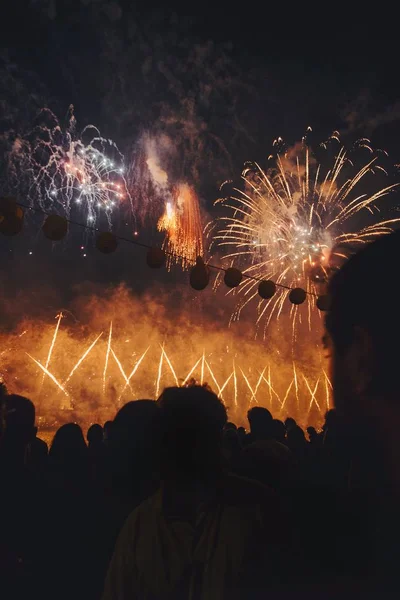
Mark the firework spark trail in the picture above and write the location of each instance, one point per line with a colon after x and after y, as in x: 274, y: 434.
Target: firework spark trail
x: 182, y: 224
x: 287, y: 394
x: 202, y: 368
x: 286, y: 223
x: 213, y: 377
x: 253, y: 397
x: 84, y: 355
x: 107, y: 357
x: 235, y: 384
x: 312, y: 392
x: 269, y: 383
x: 53, y: 341
x: 159, y: 375
x: 132, y: 373
x: 328, y: 388
x: 258, y: 384
x: 191, y: 372
x: 296, y: 384
x: 119, y: 365
x: 225, y: 384
x: 269, y: 386
x: 170, y: 365
x: 49, y: 374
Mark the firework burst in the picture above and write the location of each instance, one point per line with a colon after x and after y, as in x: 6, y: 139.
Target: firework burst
x: 293, y: 222
x: 181, y: 222
x: 66, y: 169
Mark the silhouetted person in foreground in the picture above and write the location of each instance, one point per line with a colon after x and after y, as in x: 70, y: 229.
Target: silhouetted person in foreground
x: 296, y: 442
x: 290, y: 423
x: 38, y: 455
x: 97, y: 453
x: 19, y: 431
x: 107, y: 431
x: 94, y: 435
x: 24, y: 531
x: 261, y: 424
x: 242, y: 435
x: 279, y: 431
x: 313, y: 436
x: 363, y: 328
x: 132, y: 467
x: 203, y: 534
x: 69, y: 458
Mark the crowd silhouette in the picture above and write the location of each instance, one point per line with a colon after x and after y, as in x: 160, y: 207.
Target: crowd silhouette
x: 171, y: 500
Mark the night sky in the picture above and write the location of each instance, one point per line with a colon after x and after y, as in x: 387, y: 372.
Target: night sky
x: 233, y: 77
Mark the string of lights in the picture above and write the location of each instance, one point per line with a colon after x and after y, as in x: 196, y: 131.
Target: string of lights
x: 55, y: 228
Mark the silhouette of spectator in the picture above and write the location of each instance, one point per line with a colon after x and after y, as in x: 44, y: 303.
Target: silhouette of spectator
x: 313, y: 436
x: 19, y: 431
x: 264, y: 458
x: 231, y: 447
x: 261, y: 424
x: 24, y: 533
x: 76, y: 548
x: 69, y: 459
x: 107, y: 431
x: 132, y: 468
x: 230, y: 425
x: 290, y: 423
x: 202, y: 532
x: 296, y: 441
x: 97, y: 453
x: 39, y: 453
x: 363, y: 327
x: 279, y: 431
x: 94, y: 435
x: 242, y: 435
x: 133, y: 452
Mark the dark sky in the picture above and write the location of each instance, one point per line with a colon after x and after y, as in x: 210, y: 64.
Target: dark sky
x: 317, y: 68
x: 222, y: 81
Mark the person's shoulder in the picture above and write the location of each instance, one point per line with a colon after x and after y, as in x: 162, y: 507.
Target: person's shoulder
x: 240, y: 490
x: 143, y: 511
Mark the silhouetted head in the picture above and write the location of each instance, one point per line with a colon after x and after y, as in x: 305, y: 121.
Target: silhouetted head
x: 289, y: 423
x: 296, y: 438
x: 191, y: 420
x: 132, y: 443
x: 231, y: 444
x: 312, y: 433
x: 260, y: 420
x: 107, y: 430
x: 363, y: 328
x: 68, y: 444
x: 132, y: 421
x: 19, y: 425
x: 95, y: 434
x: 278, y: 431
x: 230, y: 425
x: 331, y: 418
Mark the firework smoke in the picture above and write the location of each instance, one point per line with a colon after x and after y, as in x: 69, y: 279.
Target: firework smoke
x: 95, y: 367
x: 173, y: 205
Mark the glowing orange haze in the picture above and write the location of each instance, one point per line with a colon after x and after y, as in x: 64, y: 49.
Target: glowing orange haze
x: 87, y: 371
